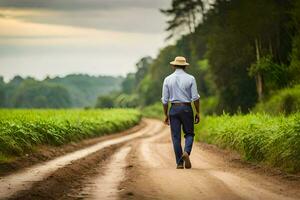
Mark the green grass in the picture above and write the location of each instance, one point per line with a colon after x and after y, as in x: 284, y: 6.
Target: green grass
x: 22, y: 130
x: 259, y: 138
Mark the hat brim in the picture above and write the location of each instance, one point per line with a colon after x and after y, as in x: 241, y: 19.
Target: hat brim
x: 180, y: 64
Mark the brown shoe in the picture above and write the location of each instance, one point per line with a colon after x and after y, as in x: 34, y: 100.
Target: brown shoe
x: 186, y: 159
x: 180, y: 166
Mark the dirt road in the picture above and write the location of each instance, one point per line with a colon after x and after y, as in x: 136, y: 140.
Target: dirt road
x: 142, y: 166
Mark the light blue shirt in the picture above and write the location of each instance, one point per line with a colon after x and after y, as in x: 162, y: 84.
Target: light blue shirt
x: 179, y: 87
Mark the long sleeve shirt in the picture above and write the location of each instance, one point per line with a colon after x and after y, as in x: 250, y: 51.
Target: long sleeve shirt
x: 179, y: 87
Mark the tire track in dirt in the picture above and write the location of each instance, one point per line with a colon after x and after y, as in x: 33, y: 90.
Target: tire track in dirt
x: 106, y: 186
x: 154, y: 176
x: 24, y: 179
x: 143, y: 167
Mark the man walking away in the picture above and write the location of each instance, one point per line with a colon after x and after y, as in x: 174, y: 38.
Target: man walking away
x: 180, y: 89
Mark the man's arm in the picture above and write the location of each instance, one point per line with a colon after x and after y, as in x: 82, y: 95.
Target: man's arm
x: 165, y: 107
x: 196, y: 100
x: 165, y: 100
x: 197, y: 107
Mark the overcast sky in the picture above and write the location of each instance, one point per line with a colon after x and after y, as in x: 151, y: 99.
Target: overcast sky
x: 59, y: 37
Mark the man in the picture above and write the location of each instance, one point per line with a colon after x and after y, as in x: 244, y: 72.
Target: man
x: 180, y: 89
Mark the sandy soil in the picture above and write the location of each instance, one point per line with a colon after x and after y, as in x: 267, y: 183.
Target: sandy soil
x: 143, y: 167
x: 215, y: 174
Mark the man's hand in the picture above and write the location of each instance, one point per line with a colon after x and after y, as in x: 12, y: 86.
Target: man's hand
x: 166, y: 121
x: 197, y: 118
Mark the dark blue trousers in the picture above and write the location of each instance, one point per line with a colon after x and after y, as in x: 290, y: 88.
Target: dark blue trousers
x: 181, y: 116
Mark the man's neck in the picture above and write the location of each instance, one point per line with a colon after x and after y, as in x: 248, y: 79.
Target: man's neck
x: 179, y: 70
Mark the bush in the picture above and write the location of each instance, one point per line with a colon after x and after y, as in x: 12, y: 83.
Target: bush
x: 153, y: 111
x: 286, y: 101
x: 105, y: 102
x: 208, y: 106
x: 274, y: 141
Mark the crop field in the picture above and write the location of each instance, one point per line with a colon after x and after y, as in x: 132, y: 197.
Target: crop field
x: 22, y: 130
x: 274, y: 141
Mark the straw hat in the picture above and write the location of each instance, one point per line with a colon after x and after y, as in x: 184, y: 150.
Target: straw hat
x: 180, y: 60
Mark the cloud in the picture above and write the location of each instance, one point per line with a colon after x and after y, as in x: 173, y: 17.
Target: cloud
x: 82, y: 4
x: 40, y: 37
x: 111, y: 58
x: 141, y: 16
x: 129, y: 20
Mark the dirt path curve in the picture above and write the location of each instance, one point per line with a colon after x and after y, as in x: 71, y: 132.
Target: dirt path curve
x: 24, y: 179
x: 153, y: 175
x: 142, y: 166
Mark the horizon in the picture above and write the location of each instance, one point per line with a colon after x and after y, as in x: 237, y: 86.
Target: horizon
x: 62, y: 76
x: 86, y: 37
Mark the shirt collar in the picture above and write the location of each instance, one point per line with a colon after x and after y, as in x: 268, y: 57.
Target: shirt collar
x: 179, y: 71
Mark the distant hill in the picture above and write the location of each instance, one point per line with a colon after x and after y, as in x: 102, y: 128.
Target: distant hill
x: 75, y: 90
x: 85, y: 89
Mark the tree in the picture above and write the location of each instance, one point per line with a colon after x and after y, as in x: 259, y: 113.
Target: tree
x: 267, y: 32
x: 127, y: 101
x: 143, y: 66
x: 128, y: 85
x: 35, y: 94
x: 271, y: 74
x: 84, y: 89
x: 294, y: 70
x: 183, y: 13
x: 243, y: 34
x: 2, y: 92
x: 105, y: 102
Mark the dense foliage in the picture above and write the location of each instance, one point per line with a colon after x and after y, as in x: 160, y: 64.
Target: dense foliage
x: 284, y: 101
x: 70, y: 91
x: 240, y: 52
x: 260, y: 138
x: 84, y: 89
x: 295, y: 58
x: 134, y: 91
x: 22, y: 130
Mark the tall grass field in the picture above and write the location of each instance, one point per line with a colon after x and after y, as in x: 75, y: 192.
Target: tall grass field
x: 22, y: 130
x: 272, y: 140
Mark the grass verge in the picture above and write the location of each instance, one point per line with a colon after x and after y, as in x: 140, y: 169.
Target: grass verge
x: 22, y: 130
x: 261, y: 138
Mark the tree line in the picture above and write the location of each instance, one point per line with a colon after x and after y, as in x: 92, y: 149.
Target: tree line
x: 240, y: 51
x: 75, y: 90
